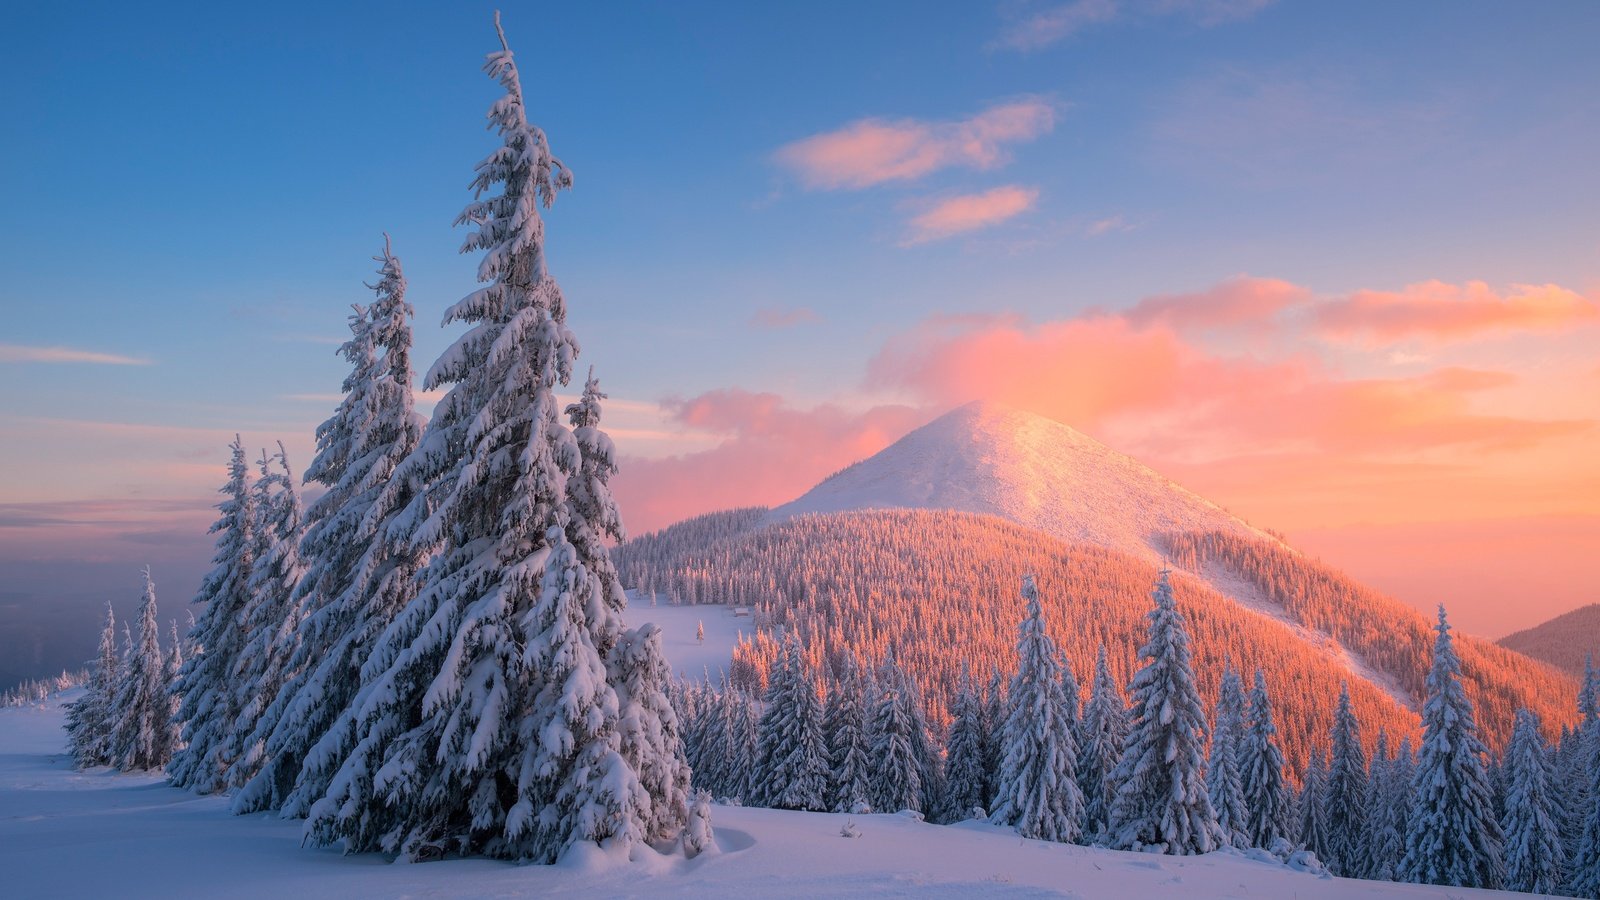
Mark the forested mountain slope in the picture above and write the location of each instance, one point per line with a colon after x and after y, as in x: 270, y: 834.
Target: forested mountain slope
x: 1562, y: 642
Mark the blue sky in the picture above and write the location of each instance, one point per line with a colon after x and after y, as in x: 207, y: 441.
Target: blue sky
x: 200, y: 187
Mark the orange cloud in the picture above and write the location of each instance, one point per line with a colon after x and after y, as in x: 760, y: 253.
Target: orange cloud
x: 969, y: 212
x: 874, y: 151
x: 1436, y: 310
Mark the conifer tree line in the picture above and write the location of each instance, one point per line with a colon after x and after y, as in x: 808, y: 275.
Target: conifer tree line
x: 430, y: 658
x: 1151, y: 771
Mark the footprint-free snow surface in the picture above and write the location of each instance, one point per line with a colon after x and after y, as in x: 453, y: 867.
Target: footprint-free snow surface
x: 99, y: 834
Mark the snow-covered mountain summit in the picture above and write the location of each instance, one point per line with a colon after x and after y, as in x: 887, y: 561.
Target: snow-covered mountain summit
x: 994, y: 460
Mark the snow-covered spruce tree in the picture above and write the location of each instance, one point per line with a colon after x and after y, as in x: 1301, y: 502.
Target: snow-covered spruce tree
x: 493, y: 727
x: 1102, y: 733
x: 1385, y: 821
x: 1533, y: 853
x: 964, y: 776
x: 994, y: 720
x: 270, y: 619
x: 92, y: 717
x: 791, y: 770
x: 848, y: 758
x: 1267, y: 800
x: 648, y: 730
x: 142, y: 736
x: 172, y: 665
x: 1345, y: 803
x: 1453, y: 837
x: 211, y: 702
x: 1161, y: 792
x: 896, y: 767
x: 1038, y: 792
x: 1313, y: 814
x: 1223, y: 784
x: 356, y: 578
x: 1582, y: 819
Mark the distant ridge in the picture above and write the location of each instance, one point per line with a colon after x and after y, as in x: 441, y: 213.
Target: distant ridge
x: 1561, y: 642
x: 994, y: 460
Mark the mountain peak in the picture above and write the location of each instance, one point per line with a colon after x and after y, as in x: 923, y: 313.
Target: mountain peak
x: 992, y: 459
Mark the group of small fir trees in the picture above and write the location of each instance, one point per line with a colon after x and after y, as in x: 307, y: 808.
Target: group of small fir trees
x: 1154, y: 773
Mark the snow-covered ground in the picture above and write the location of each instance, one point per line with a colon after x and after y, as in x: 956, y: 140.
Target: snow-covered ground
x: 690, y: 657
x: 97, y: 834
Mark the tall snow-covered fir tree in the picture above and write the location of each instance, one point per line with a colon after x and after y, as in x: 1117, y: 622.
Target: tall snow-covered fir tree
x: 211, y: 702
x: 1312, y: 805
x: 1038, y: 792
x: 494, y: 725
x: 791, y: 769
x: 1387, y: 794
x: 1102, y: 732
x: 1533, y: 853
x: 173, y: 664
x: 142, y: 736
x: 1161, y: 791
x: 964, y: 775
x: 1453, y: 838
x: 92, y: 717
x: 1223, y: 784
x: 270, y: 618
x: 357, y: 579
x: 1345, y: 803
x: 895, y: 748
x: 846, y: 727
x: 1267, y: 801
x: 1582, y: 807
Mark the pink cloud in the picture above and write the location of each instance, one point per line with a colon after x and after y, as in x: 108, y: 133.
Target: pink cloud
x: 773, y: 317
x: 1238, y: 301
x: 874, y: 151
x: 18, y: 353
x: 1436, y: 310
x: 970, y: 212
x: 769, y: 452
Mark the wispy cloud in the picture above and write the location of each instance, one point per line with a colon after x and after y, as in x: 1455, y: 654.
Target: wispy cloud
x: 874, y: 151
x: 774, y: 317
x: 970, y: 212
x: 1109, y: 225
x: 1436, y: 310
x: 1036, y: 28
x: 19, y: 353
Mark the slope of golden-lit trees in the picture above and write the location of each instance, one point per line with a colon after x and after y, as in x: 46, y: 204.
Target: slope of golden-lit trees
x: 939, y: 589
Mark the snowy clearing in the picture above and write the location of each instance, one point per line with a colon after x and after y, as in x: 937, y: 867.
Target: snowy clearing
x: 689, y: 657
x: 80, y: 834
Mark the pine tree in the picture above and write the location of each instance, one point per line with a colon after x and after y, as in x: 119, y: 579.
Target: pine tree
x: 1039, y: 792
x: 1582, y: 819
x: 173, y: 665
x: 142, y: 736
x: 356, y: 579
x: 1386, y: 797
x: 1453, y: 838
x: 964, y: 751
x: 1267, y: 799
x: 1223, y: 783
x: 1533, y: 852
x: 648, y: 728
x: 792, y: 764
x: 92, y: 717
x: 494, y: 727
x: 211, y: 702
x: 1313, y: 811
x: 1345, y: 802
x: 1161, y: 797
x: 848, y: 753
x: 270, y: 618
x: 1104, y: 729
x: 698, y: 836
x: 897, y: 769
x: 994, y: 720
